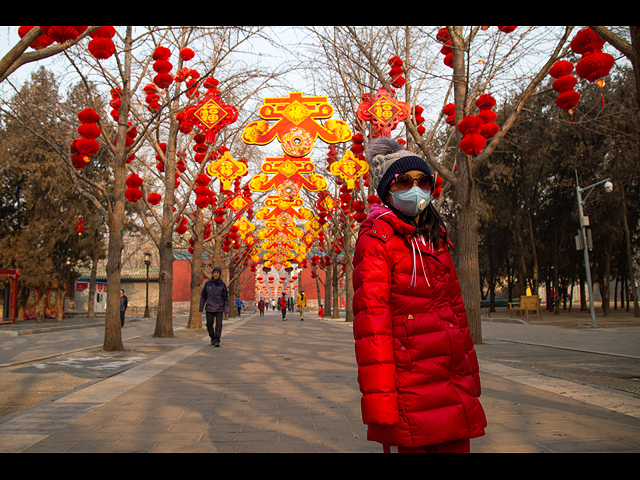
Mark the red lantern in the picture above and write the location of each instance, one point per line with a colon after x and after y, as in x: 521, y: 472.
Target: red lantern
x: 154, y: 199
x: 595, y: 64
x: 41, y: 42
x: 447, y: 51
x: 486, y: 103
x: 450, y: 111
x: 102, y: 47
x: 473, y: 143
x: 133, y: 193
x: 564, y: 84
x: 162, y: 67
x: 187, y: 54
x: 507, y: 29
x: 62, y: 34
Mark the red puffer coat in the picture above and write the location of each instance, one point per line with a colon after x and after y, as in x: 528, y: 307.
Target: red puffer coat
x: 417, y: 366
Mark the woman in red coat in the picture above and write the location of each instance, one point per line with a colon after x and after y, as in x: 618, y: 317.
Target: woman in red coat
x: 417, y: 366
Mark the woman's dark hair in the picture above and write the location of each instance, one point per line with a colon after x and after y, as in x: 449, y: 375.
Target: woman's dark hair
x: 430, y: 224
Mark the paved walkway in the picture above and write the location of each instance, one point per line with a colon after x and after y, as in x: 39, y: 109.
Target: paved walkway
x: 292, y: 387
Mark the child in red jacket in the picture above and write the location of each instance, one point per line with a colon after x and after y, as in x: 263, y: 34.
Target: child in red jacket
x: 417, y: 365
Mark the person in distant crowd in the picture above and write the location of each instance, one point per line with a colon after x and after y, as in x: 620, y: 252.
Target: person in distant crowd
x: 215, y: 297
x: 239, y: 306
x: 273, y: 304
x: 290, y: 305
x: 261, y: 306
x: 124, y: 304
x: 283, y: 306
x: 302, y: 303
x: 418, y: 368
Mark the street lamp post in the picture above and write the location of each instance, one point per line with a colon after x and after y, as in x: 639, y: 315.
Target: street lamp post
x: 147, y: 262
x: 583, y: 240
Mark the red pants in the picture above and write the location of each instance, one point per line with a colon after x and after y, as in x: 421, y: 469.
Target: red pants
x: 461, y: 446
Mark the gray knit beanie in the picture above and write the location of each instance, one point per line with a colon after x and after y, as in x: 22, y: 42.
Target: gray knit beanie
x: 387, y: 159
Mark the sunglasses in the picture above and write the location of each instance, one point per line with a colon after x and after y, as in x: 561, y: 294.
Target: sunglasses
x: 407, y: 182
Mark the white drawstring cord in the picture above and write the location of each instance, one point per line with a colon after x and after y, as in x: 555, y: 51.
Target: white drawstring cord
x: 414, y: 277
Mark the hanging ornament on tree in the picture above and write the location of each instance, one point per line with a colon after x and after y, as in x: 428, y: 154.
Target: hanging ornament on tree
x: 419, y: 119
x: 41, y: 42
x: 102, y: 46
x: 450, y: 112
x: 63, y: 34
x: 486, y: 103
x: 473, y: 143
x: 595, y: 64
x: 397, y: 72
x: 87, y: 146
x: 133, y: 193
x: 447, y: 51
x: 564, y: 84
x: 162, y: 67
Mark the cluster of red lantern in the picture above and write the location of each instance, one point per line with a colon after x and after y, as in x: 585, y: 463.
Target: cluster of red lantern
x: 182, y: 226
x: 447, y: 51
x: 204, y: 196
x: 220, y: 214
x: 102, y: 46
x: 200, y: 147
x: 115, y: 104
x: 473, y: 143
x: 359, y: 208
x: 79, y: 228
x: 86, y: 147
x: 565, y: 84
x: 397, y: 72
x: 133, y: 192
x: 450, y: 112
x: 153, y: 98
x: 63, y: 34
x: 419, y: 119
x: 507, y: 29
x: 486, y: 103
x: 160, y: 165
x: 231, y: 240
x: 162, y: 67
x: 595, y: 64
x: 41, y: 42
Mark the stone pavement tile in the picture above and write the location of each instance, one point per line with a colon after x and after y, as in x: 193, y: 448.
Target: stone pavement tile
x: 526, y: 419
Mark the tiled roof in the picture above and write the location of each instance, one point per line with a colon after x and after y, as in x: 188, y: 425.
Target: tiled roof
x: 127, y: 274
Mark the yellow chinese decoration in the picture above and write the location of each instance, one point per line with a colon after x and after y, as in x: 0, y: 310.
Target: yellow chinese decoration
x: 297, y: 127
x: 227, y: 169
x: 350, y: 169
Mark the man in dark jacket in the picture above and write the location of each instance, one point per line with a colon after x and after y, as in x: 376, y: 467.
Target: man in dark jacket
x: 124, y: 304
x: 215, y: 297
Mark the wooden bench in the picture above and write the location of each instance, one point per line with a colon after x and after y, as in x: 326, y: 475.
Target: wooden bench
x: 525, y: 305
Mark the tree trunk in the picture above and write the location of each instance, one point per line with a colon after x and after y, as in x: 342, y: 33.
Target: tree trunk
x: 164, y: 320
x: 467, y: 263
x: 113, y: 330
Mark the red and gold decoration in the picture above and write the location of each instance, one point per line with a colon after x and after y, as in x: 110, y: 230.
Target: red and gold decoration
x: 297, y: 128
x: 211, y: 114
x: 384, y: 111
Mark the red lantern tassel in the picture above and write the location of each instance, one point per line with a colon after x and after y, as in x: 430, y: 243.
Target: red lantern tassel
x: 602, y: 95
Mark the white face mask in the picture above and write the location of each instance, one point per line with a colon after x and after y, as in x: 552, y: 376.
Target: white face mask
x: 411, y: 202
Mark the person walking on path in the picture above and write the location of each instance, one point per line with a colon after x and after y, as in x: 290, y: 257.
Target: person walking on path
x: 261, y: 306
x: 283, y: 306
x: 418, y: 368
x: 215, y: 297
x: 302, y: 303
x: 239, y: 306
x: 124, y: 304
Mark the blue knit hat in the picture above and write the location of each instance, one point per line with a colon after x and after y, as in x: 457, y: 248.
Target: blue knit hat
x: 387, y: 160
